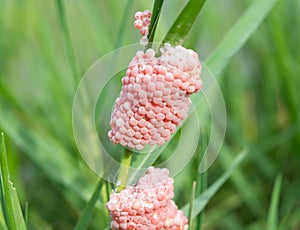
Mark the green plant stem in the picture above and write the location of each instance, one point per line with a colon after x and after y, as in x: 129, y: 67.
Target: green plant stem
x: 124, y: 167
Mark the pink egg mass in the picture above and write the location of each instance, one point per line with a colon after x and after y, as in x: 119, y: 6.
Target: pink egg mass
x: 154, y: 98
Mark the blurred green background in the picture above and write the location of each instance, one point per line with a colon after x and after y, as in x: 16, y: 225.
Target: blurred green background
x: 260, y: 86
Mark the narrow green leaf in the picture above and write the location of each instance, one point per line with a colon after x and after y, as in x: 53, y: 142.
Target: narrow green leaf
x: 202, y: 183
x: 192, y: 198
x: 16, y: 209
x: 68, y: 40
x: 154, y: 19
x: 96, y: 26
x: 8, y: 207
x: 201, y: 178
x: 11, y: 205
x: 26, y: 213
x: 124, y: 24
x: 238, y: 34
x: 87, y: 213
x: 272, y: 221
x: 202, y: 200
x: 3, y: 202
x: 184, y: 22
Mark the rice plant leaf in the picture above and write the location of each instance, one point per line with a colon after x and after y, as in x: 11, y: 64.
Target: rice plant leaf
x: 272, y: 221
x: 238, y: 34
x: 68, y: 40
x: 2, y: 225
x: 184, y: 22
x: 154, y: 19
x: 9, y: 199
x: 124, y: 24
x: 87, y: 213
x: 202, y: 200
x: 99, y: 35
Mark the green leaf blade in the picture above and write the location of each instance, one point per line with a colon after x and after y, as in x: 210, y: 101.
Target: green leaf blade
x: 16, y: 208
x: 87, y: 213
x: 201, y: 201
x: 154, y: 19
x: 238, y: 34
x: 272, y: 221
x: 184, y: 22
x: 68, y: 41
x: 10, y: 203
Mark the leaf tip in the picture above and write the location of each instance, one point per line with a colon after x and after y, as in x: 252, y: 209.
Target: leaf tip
x: 2, y: 142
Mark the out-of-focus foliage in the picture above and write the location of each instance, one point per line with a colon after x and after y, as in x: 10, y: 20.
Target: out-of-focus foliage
x: 260, y: 87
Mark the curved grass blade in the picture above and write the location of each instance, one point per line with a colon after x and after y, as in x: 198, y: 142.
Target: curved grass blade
x: 272, y: 221
x: 87, y: 213
x: 238, y: 34
x: 184, y: 22
x: 201, y: 201
x: 9, y: 199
